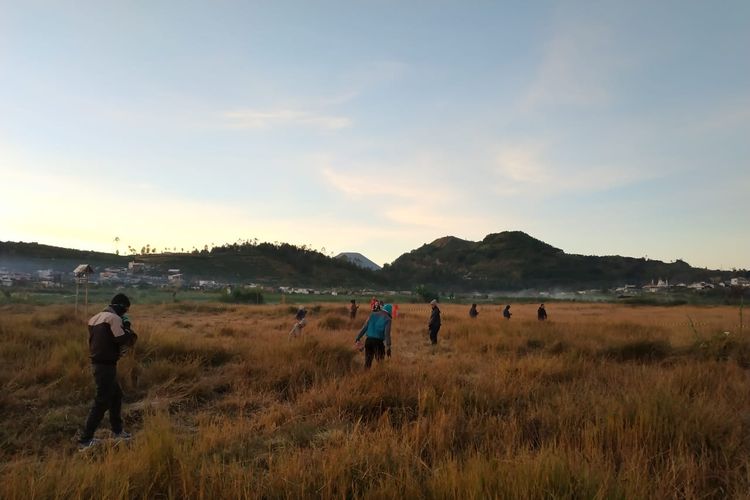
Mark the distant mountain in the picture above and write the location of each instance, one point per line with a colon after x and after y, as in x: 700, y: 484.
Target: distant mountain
x: 513, y: 260
x: 359, y: 260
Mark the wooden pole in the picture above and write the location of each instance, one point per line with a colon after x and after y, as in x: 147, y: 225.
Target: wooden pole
x: 86, y: 293
x: 76, y: 278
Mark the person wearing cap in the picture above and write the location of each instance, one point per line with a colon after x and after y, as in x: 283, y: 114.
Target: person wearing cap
x: 300, y: 322
x: 377, y: 330
x: 109, y: 337
x: 434, y: 324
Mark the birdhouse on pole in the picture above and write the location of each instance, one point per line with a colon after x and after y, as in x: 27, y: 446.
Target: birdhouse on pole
x: 81, y: 274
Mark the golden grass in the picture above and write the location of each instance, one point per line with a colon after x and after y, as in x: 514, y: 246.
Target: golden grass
x: 602, y: 401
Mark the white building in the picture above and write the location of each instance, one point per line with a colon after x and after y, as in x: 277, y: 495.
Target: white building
x: 175, y: 278
x: 45, y: 274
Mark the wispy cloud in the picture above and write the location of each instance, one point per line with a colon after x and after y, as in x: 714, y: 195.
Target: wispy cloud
x: 439, y: 219
x: 521, y: 164
x: 265, y: 119
x: 576, y: 70
x: 527, y: 169
x: 374, y: 184
x: 392, y: 182
x: 414, y: 203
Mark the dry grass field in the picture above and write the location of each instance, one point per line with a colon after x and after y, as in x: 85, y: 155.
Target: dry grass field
x: 601, y: 401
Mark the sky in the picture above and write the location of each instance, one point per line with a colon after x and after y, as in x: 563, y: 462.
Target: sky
x: 602, y: 128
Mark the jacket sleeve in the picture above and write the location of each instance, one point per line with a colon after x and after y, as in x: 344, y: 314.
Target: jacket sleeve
x: 363, y: 330
x: 133, y: 336
x: 388, y: 334
x: 121, y: 334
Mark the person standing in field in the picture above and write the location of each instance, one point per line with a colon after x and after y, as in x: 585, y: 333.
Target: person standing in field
x: 473, y: 313
x: 299, y: 323
x: 109, y: 338
x: 377, y: 332
x: 373, y: 303
x: 541, y: 313
x: 353, y: 309
x: 434, y: 324
x: 506, y: 312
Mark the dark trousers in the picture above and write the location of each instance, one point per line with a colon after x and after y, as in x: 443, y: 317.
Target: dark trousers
x: 108, y: 397
x: 433, y: 334
x: 374, y: 348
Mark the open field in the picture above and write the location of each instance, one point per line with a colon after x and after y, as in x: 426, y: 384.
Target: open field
x: 602, y: 401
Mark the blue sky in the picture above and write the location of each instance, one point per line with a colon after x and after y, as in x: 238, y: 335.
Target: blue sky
x: 599, y: 127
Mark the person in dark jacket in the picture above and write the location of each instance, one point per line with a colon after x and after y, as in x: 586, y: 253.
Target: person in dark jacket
x: 109, y: 337
x: 353, y: 309
x: 541, y: 313
x: 506, y: 312
x: 434, y: 325
x: 299, y: 323
x: 377, y: 329
x: 473, y: 313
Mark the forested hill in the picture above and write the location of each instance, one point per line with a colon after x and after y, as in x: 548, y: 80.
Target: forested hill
x: 514, y: 260
x: 268, y: 263
x: 265, y: 263
x: 27, y: 257
x: 509, y: 260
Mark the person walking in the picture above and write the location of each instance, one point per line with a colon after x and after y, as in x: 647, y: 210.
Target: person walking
x: 299, y: 323
x: 109, y: 337
x: 506, y: 312
x: 434, y: 324
x: 473, y: 313
x: 541, y: 313
x: 377, y: 332
x: 353, y: 309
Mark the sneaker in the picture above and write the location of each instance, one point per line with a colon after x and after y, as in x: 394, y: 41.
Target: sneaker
x: 123, y: 435
x: 89, y: 443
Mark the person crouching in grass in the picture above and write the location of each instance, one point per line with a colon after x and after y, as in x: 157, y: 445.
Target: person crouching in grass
x: 377, y: 330
x: 299, y: 323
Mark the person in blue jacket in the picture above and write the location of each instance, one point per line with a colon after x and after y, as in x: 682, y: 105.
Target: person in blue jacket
x: 377, y: 330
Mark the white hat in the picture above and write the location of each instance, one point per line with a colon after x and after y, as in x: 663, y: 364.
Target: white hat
x: 433, y: 302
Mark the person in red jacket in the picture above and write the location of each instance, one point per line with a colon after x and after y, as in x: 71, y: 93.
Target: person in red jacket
x: 109, y: 337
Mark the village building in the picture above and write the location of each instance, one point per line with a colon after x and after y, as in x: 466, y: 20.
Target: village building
x: 136, y: 267
x: 659, y: 286
x: 175, y: 278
